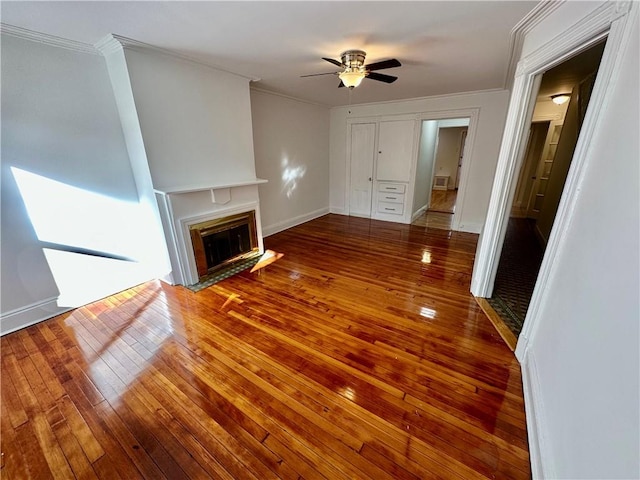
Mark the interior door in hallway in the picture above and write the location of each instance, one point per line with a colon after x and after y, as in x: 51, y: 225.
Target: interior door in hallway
x: 362, y: 157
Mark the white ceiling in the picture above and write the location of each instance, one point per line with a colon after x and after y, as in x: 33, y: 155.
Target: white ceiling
x: 444, y: 47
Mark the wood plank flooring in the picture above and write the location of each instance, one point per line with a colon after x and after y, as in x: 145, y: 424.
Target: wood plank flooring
x: 359, y: 354
x: 443, y: 201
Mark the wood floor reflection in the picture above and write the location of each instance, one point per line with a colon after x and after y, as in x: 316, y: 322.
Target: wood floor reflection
x: 359, y: 354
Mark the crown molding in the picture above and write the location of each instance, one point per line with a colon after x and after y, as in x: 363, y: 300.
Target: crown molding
x: 47, y: 39
x: 113, y: 43
x: 541, y: 11
x: 288, y: 97
x: 427, y: 97
x: 108, y: 45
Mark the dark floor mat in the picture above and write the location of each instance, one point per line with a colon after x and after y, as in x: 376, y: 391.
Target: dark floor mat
x: 517, y: 272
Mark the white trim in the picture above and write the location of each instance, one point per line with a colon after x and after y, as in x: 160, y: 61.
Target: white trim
x: 109, y: 44
x: 511, y: 154
x: 292, y: 222
x: 31, y: 314
x: 200, y: 188
x: 469, y: 228
x: 583, y: 34
x: 47, y: 39
x: 417, y: 99
x: 538, y: 444
x: 418, y: 213
x: 541, y: 11
x: 288, y: 97
x: 617, y: 40
x: 338, y: 211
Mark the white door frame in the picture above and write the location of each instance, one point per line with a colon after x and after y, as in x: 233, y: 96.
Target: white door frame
x: 608, y: 21
x: 472, y: 114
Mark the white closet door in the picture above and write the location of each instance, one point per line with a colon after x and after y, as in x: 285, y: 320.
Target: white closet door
x: 395, y: 150
x: 362, y: 156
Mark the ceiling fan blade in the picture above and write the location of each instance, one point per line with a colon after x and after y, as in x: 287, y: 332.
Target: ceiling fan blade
x: 318, y: 74
x: 381, y: 77
x: 391, y: 63
x: 341, y: 84
x: 335, y: 62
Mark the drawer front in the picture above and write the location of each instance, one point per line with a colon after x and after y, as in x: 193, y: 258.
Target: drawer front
x: 391, y: 187
x: 391, y: 197
x: 392, y: 208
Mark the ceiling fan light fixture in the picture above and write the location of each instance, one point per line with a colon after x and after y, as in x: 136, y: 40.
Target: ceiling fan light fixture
x: 351, y: 77
x: 560, y: 98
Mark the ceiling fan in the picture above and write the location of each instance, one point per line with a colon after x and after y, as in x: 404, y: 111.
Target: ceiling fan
x: 354, y: 69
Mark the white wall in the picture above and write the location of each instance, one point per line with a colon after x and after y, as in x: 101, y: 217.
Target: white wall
x: 195, y: 121
x: 583, y: 353
x: 424, y: 168
x: 448, y: 154
x: 60, y: 128
x: 291, y: 140
x: 483, y: 154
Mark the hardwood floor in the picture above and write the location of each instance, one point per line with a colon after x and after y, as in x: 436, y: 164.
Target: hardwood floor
x: 440, y: 221
x: 443, y: 201
x: 359, y: 354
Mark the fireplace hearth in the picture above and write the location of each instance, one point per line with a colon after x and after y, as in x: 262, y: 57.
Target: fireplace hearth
x: 221, y: 242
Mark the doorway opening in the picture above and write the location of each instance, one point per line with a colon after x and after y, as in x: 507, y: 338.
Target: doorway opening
x: 438, y: 172
x: 553, y: 136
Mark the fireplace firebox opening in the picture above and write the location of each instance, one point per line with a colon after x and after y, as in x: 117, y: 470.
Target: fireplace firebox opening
x: 220, y: 242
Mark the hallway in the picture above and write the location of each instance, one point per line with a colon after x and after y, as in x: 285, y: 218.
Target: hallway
x: 517, y: 273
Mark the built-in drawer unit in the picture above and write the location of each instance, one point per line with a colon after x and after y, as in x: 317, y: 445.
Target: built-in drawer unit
x: 392, y: 208
x: 391, y: 187
x: 391, y: 197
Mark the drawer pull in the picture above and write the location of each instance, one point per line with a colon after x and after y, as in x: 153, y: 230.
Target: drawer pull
x: 390, y: 209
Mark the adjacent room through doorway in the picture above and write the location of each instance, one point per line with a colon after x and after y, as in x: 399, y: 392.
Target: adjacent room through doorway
x: 440, y: 158
x: 560, y: 109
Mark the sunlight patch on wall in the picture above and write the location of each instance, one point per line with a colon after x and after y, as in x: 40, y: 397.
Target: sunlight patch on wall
x: 290, y: 176
x: 94, y: 244
x: 82, y: 279
x: 68, y: 215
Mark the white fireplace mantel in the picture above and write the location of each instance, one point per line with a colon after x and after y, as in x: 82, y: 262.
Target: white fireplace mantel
x: 185, y: 205
x: 200, y: 188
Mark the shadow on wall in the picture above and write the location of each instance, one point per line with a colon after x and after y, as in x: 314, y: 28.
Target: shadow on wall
x: 93, y: 243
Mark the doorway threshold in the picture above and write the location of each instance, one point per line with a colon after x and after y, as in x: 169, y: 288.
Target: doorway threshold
x: 503, y: 330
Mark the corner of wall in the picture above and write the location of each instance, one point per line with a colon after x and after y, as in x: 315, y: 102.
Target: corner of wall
x: 274, y: 228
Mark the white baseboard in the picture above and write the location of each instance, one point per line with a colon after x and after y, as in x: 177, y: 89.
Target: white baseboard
x: 534, y: 410
x: 292, y: 222
x: 338, y: 211
x: 469, y: 227
x: 30, y: 315
x: 418, y: 213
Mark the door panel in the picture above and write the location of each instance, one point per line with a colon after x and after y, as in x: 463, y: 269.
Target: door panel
x: 395, y: 150
x: 362, y: 156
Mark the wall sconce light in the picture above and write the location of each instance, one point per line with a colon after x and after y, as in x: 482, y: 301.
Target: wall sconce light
x: 560, y: 98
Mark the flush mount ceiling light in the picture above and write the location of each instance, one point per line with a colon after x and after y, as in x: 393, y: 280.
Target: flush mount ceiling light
x: 354, y: 69
x: 560, y: 98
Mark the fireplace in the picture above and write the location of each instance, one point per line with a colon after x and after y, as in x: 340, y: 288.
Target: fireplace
x: 221, y: 242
